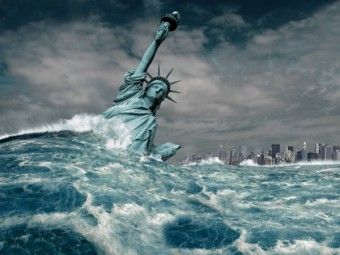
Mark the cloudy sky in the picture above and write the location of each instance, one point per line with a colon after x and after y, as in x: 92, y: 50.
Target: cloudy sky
x: 253, y: 72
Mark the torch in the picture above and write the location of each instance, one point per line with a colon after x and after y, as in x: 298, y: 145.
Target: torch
x: 171, y: 20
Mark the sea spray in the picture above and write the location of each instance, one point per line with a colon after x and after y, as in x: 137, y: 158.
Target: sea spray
x: 65, y: 188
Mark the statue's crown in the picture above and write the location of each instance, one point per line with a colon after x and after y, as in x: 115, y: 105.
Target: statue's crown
x: 165, y: 81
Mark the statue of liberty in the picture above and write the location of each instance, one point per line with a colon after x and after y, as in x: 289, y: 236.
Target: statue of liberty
x: 136, y: 105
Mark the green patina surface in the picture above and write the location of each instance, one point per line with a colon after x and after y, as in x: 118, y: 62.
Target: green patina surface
x: 136, y: 105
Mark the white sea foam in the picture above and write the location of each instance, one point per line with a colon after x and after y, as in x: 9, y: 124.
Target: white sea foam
x: 131, y: 204
x: 301, y: 247
x: 329, y: 170
x: 208, y: 161
x: 102, y: 234
x: 10, y: 221
x: 51, y: 219
x: 248, y: 162
x: 322, y: 201
x: 308, y: 163
x: 160, y: 218
x: 198, y: 252
x: 297, y: 165
x: 316, y: 163
x: 323, y: 216
x: 107, y: 169
x: 217, y: 200
x: 127, y: 209
x: 104, y: 128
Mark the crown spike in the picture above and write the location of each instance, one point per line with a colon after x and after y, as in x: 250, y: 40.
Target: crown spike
x: 174, y: 91
x: 159, y: 70
x: 171, y: 99
x: 149, y: 75
x: 169, y: 73
x: 174, y: 82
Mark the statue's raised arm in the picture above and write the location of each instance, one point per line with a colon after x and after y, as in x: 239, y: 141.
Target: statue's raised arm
x: 168, y: 23
x: 136, y: 105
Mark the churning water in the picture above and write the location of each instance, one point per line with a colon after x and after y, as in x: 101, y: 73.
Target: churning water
x: 71, y: 188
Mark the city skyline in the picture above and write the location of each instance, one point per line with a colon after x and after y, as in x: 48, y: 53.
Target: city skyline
x: 276, y: 154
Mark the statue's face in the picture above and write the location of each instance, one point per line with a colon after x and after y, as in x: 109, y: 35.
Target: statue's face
x: 156, y: 91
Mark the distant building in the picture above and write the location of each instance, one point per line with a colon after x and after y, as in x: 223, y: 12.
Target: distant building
x: 328, y: 152
x: 289, y: 155
x: 261, y: 159
x: 317, y: 148
x: 232, y: 157
x: 268, y: 160
x: 322, y: 151
x: 298, y: 156
x: 304, y: 152
x: 240, y: 157
x: 252, y: 156
x: 275, y: 148
x: 311, y: 156
x: 336, y: 155
x: 336, y: 148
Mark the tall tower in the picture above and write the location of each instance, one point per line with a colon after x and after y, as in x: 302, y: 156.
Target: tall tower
x: 317, y: 148
x: 304, y: 151
x: 275, y: 149
x: 289, y: 154
x: 328, y: 152
x: 232, y: 156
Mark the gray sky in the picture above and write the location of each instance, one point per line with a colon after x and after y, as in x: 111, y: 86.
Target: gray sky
x: 251, y: 74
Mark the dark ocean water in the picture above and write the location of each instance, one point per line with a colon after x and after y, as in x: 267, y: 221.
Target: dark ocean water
x: 71, y: 188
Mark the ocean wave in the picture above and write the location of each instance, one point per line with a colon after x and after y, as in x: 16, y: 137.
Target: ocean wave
x: 248, y: 162
x: 71, y: 190
x: 301, y: 247
x: 208, y: 161
x: 113, y: 131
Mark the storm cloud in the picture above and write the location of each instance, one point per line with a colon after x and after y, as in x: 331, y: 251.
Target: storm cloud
x: 278, y: 84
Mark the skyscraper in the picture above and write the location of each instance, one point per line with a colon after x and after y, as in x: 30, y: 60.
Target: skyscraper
x: 289, y: 155
x: 336, y: 148
x: 298, y: 156
x: 232, y: 156
x: 261, y: 158
x: 317, y: 148
x: 275, y: 148
x: 322, y: 151
x: 336, y: 155
x: 328, y: 152
x: 304, y: 152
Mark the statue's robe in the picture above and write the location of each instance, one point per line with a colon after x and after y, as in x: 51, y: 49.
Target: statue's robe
x: 130, y: 107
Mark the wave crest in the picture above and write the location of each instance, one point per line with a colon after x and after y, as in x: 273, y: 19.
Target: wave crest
x: 112, y: 131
